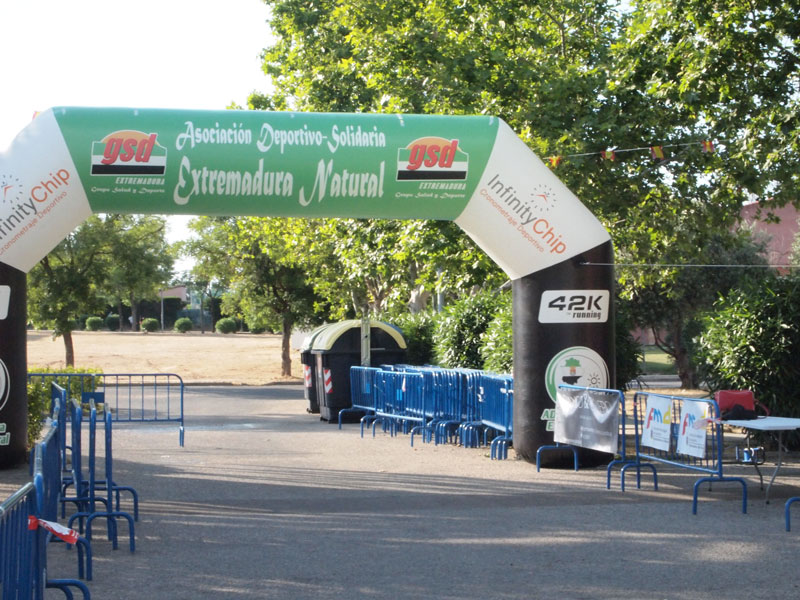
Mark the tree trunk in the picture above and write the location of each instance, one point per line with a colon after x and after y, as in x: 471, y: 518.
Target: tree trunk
x: 202, y: 318
x: 683, y: 363
x: 286, y: 358
x: 69, y: 348
x: 134, y: 313
x: 119, y: 314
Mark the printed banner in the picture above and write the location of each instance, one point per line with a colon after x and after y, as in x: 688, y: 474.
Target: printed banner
x: 657, y: 424
x: 70, y: 162
x: 587, y: 418
x: 692, y: 431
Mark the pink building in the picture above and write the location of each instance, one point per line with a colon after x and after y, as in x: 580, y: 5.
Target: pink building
x: 779, y: 235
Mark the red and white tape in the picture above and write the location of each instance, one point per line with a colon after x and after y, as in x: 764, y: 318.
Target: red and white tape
x: 65, y: 533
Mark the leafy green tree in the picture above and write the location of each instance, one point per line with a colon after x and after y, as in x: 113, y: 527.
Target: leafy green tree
x: 752, y: 340
x: 672, y: 302
x: 255, y: 261
x: 68, y: 282
x: 574, y: 77
x: 140, y: 264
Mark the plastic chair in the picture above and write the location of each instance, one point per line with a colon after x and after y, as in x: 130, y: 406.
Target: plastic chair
x: 727, y: 400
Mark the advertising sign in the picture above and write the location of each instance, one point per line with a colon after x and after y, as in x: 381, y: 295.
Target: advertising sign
x: 470, y: 169
x: 588, y: 419
x: 692, y: 429
x: 657, y: 422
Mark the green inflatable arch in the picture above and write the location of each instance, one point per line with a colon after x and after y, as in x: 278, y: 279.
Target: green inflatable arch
x: 72, y: 162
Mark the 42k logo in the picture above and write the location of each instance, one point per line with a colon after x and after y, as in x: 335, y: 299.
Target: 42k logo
x: 574, y: 306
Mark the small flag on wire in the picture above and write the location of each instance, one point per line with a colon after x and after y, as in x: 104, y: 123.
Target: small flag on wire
x: 555, y: 161
x: 657, y: 152
x: 609, y: 155
x: 708, y: 146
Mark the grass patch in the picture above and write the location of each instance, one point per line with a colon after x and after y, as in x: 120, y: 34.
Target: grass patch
x: 657, y: 362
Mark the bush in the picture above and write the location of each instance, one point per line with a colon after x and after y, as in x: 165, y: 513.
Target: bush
x: 112, y: 322
x: 38, y: 409
x: 183, y: 325
x: 150, y: 325
x: 629, y: 357
x: 39, y: 393
x: 457, y: 338
x: 227, y: 325
x: 418, y: 329
x: 497, y: 342
x: 751, y: 341
x: 94, y: 324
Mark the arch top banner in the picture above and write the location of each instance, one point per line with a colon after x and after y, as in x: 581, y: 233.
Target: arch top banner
x: 72, y: 162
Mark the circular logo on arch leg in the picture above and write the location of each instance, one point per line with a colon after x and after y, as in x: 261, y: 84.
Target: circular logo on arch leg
x: 5, y: 386
x: 577, y: 365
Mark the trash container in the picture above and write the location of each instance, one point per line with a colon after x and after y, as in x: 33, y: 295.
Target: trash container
x: 307, y: 360
x: 337, y: 348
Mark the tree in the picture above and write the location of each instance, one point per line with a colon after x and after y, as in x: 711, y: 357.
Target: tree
x: 575, y: 77
x: 672, y: 302
x: 257, y: 263
x: 67, y: 283
x: 141, y: 262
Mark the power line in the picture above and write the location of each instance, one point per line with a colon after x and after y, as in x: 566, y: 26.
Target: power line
x: 685, y: 266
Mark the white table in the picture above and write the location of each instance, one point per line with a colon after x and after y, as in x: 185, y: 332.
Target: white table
x: 773, y: 424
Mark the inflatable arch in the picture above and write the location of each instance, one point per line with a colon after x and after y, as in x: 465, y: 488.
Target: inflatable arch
x: 72, y: 162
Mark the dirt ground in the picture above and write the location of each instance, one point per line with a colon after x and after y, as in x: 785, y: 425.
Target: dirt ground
x: 240, y: 359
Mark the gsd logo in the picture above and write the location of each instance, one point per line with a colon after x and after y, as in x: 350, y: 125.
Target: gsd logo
x: 431, y: 159
x: 129, y: 153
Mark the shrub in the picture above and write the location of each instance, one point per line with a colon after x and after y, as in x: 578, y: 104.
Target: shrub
x: 227, y: 325
x: 457, y: 338
x: 150, y: 325
x: 94, y: 324
x: 497, y: 342
x: 628, y: 351
x: 39, y: 393
x: 112, y: 322
x: 38, y: 409
x: 751, y: 341
x: 183, y: 325
x: 418, y: 329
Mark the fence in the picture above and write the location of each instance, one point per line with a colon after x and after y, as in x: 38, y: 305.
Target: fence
x: 20, y: 576
x: 681, y: 432
x: 132, y: 397
x: 463, y: 405
x: 27, y: 519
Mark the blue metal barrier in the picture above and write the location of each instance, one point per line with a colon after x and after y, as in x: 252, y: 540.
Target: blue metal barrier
x: 91, y: 485
x: 787, y: 507
x: 710, y: 464
x: 362, y: 394
x: 132, y: 397
x: 20, y: 576
x: 496, y: 400
x: 440, y: 404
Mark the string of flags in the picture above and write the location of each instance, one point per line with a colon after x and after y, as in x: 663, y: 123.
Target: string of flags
x: 656, y: 152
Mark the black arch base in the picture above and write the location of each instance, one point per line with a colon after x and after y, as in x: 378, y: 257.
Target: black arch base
x: 536, y: 344
x: 13, y: 367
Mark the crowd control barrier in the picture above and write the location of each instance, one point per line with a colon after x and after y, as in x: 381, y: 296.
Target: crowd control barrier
x: 88, y: 488
x: 132, y: 397
x: 27, y: 523
x: 20, y: 576
x: 466, y: 406
x: 685, y: 433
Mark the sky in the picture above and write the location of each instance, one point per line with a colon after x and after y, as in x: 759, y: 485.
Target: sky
x: 197, y: 54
